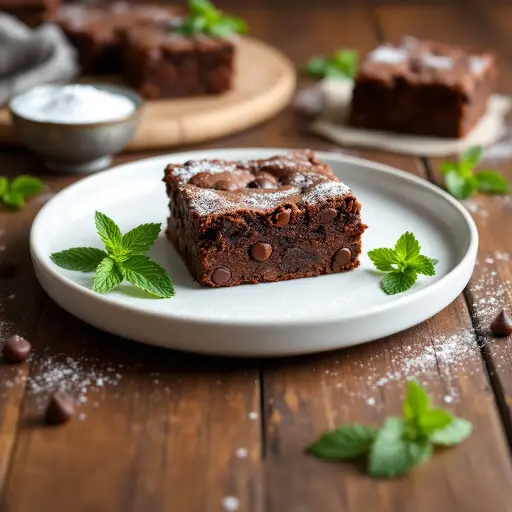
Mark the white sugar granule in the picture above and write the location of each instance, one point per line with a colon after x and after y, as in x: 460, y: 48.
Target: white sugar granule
x: 230, y: 503
x: 253, y: 415
x: 242, y: 453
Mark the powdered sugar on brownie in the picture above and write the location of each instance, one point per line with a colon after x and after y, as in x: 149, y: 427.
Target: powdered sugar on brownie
x: 325, y: 190
x: 190, y: 169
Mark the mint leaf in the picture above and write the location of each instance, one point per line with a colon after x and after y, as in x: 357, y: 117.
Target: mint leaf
x: 316, y: 67
x: 383, y: 259
x: 458, y: 186
x: 109, y: 232
x: 416, y: 401
x: 434, y: 419
x: 343, y: 63
x: 4, y: 186
x: 469, y: 159
x: 107, y: 277
x: 407, y: 247
x: 346, y: 442
x: 13, y: 199
x: 26, y: 185
x: 398, y: 282
x: 140, y: 239
x: 455, y: 432
x: 392, y: 454
x: 423, y: 265
x: 148, y: 276
x: 347, y: 61
x: 83, y: 259
x: 491, y: 182
x: 447, y: 167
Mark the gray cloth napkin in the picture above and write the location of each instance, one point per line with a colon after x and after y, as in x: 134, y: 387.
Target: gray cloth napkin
x: 32, y: 57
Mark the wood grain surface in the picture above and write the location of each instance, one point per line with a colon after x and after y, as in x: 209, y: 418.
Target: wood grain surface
x: 165, y: 431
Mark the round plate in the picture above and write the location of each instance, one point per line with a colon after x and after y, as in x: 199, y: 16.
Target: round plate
x: 290, y: 317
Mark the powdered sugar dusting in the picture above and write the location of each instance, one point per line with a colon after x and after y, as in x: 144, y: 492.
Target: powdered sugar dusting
x: 325, y: 190
x: 189, y: 170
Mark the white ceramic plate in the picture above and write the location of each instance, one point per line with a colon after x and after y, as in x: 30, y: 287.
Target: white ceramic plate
x: 290, y: 317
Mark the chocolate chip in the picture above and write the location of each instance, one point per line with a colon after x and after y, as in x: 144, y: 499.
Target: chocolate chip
x: 282, y: 218
x: 261, y: 252
x: 226, y: 185
x: 60, y: 409
x: 502, y: 324
x: 328, y: 215
x: 262, y: 183
x: 221, y: 275
x: 213, y: 234
x: 7, y: 269
x: 16, y: 349
x: 341, y: 258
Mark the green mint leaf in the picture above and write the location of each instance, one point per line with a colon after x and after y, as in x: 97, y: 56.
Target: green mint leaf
x: 398, y: 282
x: 434, y: 261
x: 469, y: 159
x: 432, y: 420
x: 407, y: 247
x: 342, y: 64
x: 13, y: 199
x: 26, y: 185
x: 200, y: 6
x: 392, y: 454
x: 491, y: 182
x: 107, y: 277
x: 416, y: 402
x: 140, y: 239
x: 109, y: 232
x: 458, y: 186
x: 447, y: 167
x: 347, y: 61
x: 383, y: 259
x: 148, y: 276
x: 316, y: 67
x: 423, y: 265
x: 455, y: 432
x: 4, y: 186
x: 83, y: 259
x: 346, y: 442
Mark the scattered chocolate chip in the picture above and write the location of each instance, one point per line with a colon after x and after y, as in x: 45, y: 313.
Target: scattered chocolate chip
x: 226, y: 185
x: 341, y: 258
x: 60, y: 409
x: 7, y: 269
x: 261, y: 252
x: 282, y: 219
x: 16, y: 349
x: 328, y: 215
x: 221, y: 275
x: 502, y: 324
x: 262, y: 183
x: 213, y: 234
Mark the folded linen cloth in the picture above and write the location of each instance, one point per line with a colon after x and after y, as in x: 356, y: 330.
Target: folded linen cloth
x: 32, y: 57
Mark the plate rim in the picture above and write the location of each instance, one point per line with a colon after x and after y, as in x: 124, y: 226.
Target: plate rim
x: 418, y: 296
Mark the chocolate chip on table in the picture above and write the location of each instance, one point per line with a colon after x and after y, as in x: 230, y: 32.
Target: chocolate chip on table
x: 60, y: 409
x: 260, y: 252
x: 502, y: 324
x: 328, y: 215
x: 262, y: 183
x: 341, y: 258
x: 282, y: 218
x: 221, y: 275
x: 7, y: 269
x: 16, y: 349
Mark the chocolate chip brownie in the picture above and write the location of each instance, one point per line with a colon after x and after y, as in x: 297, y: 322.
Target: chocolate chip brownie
x: 262, y: 220
x: 422, y: 87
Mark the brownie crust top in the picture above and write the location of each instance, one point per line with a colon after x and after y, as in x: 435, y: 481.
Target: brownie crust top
x: 218, y: 186
x: 426, y: 62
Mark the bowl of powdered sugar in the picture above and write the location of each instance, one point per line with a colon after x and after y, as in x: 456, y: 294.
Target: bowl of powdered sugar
x: 76, y: 128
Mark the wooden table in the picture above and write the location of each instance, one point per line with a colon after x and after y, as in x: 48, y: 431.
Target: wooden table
x: 164, y: 431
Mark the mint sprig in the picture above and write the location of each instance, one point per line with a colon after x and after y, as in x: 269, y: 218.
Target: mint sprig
x: 401, y: 443
x: 342, y: 64
x: 403, y: 264
x: 124, y: 258
x: 14, y: 193
x: 205, y: 18
x: 461, y: 181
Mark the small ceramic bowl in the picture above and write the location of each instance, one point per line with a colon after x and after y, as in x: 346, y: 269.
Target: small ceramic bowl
x: 77, y: 147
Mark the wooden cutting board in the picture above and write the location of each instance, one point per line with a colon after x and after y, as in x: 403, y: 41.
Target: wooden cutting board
x: 264, y: 85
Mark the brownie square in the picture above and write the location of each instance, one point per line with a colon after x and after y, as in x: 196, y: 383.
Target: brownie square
x: 31, y: 12
x: 96, y: 30
x: 164, y: 65
x: 422, y: 87
x: 262, y: 220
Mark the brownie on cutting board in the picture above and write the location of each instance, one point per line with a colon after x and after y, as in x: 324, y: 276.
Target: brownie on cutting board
x: 422, y: 87
x: 258, y: 221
